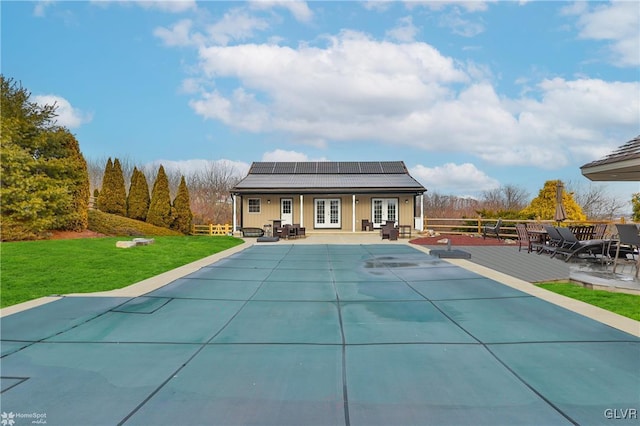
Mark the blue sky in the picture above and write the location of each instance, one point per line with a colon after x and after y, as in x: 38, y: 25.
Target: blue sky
x: 470, y: 95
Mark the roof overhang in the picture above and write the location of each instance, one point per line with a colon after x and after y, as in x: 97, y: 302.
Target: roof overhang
x: 323, y: 191
x: 619, y: 171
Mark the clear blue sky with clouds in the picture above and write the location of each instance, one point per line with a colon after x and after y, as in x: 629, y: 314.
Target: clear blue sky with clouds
x: 470, y: 95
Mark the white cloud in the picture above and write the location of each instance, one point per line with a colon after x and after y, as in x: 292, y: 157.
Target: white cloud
x: 171, y: 6
x: 235, y: 25
x: 177, y: 35
x: 283, y: 155
x: 40, y: 7
x: 67, y: 115
x: 617, y: 22
x: 453, y: 178
x: 405, y: 31
x: 357, y: 89
x: 299, y: 9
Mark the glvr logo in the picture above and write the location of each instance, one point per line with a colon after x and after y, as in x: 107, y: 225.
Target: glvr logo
x: 7, y: 419
x: 621, y: 413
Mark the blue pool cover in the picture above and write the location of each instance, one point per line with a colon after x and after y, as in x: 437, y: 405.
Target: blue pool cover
x: 318, y: 335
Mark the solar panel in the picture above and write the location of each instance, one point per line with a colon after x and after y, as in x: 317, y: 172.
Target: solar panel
x: 262, y: 168
x: 306, y: 167
x: 284, y: 168
x: 370, y: 167
x: 349, y: 167
x: 392, y: 167
x: 327, y: 167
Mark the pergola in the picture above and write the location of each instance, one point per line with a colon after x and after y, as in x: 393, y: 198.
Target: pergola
x: 622, y: 165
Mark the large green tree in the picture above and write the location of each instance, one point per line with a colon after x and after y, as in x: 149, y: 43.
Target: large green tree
x: 160, y: 207
x: 44, y: 180
x: 182, y: 215
x: 138, y: 198
x: 635, y: 203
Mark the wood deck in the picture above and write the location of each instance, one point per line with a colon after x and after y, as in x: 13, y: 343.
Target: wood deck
x: 529, y: 267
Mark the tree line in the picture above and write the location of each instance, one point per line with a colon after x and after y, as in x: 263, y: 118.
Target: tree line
x: 155, y: 208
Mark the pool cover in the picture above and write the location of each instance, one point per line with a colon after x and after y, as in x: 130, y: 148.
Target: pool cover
x: 318, y: 334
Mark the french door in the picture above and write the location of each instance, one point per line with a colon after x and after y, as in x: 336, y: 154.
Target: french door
x: 327, y: 213
x: 383, y: 210
x: 286, y: 211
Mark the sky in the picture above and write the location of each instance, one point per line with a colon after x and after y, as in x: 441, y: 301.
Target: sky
x: 471, y: 95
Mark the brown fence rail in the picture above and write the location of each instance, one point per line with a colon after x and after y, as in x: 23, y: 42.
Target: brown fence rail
x: 456, y: 226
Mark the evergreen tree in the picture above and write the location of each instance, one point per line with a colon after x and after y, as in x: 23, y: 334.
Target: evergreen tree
x: 182, y: 215
x: 119, y: 202
x: 544, y: 205
x: 160, y: 206
x: 113, y: 198
x: 138, y: 199
x: 44, y: 181
x: 104, y: 198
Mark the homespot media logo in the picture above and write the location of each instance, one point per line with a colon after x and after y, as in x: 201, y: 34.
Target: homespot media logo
x: 11, y: 418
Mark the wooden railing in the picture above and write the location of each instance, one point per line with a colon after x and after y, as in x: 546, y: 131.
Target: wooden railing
x: 212, y: 229
x: 508, y: 229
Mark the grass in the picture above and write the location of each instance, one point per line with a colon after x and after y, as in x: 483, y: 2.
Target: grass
x: 627, y: 305
x: 33, y: 269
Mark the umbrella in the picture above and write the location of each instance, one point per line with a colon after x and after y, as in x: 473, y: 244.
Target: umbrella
x: 561, y: 214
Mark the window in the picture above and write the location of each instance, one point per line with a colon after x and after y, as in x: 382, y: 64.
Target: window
x: 327, y: 213
x: 254, y: 205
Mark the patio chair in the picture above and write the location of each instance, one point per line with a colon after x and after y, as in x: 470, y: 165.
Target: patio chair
x: 630, y: 238
x: 300, y: 231
x: 366, y: 225
x: 554, y: 240
x: 571, y: 246
x: 492, y: 229
x: 388, y: 231
x: 599, y: 230
x: 523, y: 237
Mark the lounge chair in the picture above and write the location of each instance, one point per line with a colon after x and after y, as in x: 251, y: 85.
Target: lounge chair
x: 599, y: 231
x: 554, y: 240
x: 492, y: 229
x: 571, y: 246
x: 630, y: 239
x: 523, y: 237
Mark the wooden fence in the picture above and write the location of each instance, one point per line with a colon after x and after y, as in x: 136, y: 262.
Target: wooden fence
x: 212, y: 230
x: 508, y: 228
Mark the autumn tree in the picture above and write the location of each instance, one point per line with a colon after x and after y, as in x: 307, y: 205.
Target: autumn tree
x: 160, y: 206
x: 544, y: 205
x: 182, y: 215
x: 138, y: 199
x: 44, y: 182
x: 635, y: 202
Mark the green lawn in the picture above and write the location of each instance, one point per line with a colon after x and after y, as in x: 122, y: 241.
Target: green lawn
x: 33, y: 269
x: 627, y: 305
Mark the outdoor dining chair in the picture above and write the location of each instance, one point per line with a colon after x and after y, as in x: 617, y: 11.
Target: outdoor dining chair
x: 628, y: 236
x: 492, y: 229
x: 523, y: 237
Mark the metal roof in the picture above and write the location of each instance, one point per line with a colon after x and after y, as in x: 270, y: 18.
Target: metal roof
x: 328, y: 177
x: 623, y: 164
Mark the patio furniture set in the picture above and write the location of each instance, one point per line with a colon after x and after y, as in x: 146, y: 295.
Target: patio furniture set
x: 583, y: 242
